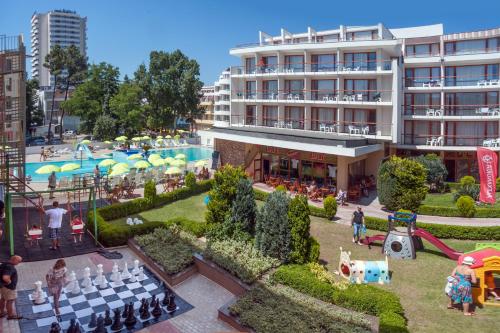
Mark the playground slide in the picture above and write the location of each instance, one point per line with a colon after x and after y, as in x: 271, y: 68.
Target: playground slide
x: 448, y: 251
x: 370, y: 239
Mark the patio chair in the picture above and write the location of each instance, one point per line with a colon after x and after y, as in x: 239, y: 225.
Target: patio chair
x: 482, y: 83
x: 488, y: 143
x: 494, y: 82
x: 365, y: 130
x: 431, y: 141
x: 438, y: 113
x: 377, y: 97
x: 429, y: 112
x: 439, y: 141
x: 129, y: 192
x: 359, y: 97
x: 353, y: 129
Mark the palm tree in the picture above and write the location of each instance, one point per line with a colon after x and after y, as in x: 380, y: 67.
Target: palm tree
x: 54, y: 61
x: 75, y: 65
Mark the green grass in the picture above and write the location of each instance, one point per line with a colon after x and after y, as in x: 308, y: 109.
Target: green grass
x: 419, y: 283
x: 446, y: 200
x: 192, y: 208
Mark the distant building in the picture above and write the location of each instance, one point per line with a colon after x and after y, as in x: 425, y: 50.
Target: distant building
x: 45, y: 104
x: 57, y: 27
x: 222, y: 98
x: 12, y: 109
x: 206, y: 102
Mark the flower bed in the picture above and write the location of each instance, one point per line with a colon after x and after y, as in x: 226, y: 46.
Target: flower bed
x: 364, y: 298
x: 278, y: 308
x: 239, y: 258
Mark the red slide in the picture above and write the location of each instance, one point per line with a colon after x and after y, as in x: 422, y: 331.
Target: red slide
x: 370, y: 239
x: 448, y: 251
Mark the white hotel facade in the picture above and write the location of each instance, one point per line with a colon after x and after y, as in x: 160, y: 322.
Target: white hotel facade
x: 330, y: 105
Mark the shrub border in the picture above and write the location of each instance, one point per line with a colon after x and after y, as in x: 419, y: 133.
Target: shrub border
x: 454, y: 212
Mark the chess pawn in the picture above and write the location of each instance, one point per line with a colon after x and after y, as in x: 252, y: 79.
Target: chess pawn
x: 55, y: 328
x: 100, y: 325
x: 115, y: 272
x: 135, y: 270
x: 73, y: 285
x: 37, y: 295
x: 125, y: 273
x: 157, y: 309
x: 93, y: 320
x: 165, y: 298
x: 145, y: 311
x: 140, y: 277
x: 117, y: 323
x: 100, y: 279
x: 153, y: 301
x: 125, y: 311
x: 107, y: 318
x: 133, y: 278
x: 171, y: 307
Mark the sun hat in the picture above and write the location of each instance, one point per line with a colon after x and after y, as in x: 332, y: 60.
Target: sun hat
x: 468, y: 261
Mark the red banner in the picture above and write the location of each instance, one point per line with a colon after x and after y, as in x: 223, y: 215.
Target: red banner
x: 488, y: 166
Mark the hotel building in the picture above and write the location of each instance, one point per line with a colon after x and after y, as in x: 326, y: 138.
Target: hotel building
x: 206, y: 120
x: 222, y: 99
x: 330, y: 105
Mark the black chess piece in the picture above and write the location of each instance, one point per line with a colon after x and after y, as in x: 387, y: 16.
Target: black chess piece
x: 78, y: 329
x: 171, y: 307
x: 93, y: 320
x: 55, y: 328
x: 125, y: 311
x: 130, y: 321
x: 107, y: 318
x: 165, y: 298
x: 153, y: 301
x: 117, y: 324
x: 72, y: 326
x: 157, y: 309
x: 145, y: 311
x: 100, y: 325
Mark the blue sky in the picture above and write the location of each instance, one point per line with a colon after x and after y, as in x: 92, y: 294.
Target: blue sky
x: 123, y: 32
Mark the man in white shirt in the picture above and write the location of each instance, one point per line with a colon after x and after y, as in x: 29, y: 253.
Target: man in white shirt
x: 55, y: 220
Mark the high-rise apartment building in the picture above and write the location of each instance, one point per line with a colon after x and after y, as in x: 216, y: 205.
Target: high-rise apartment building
x: 222, y: 96
x: 207, y: 103
x: 330, y: 105
x: 57, y: 27
x: 12, y: 111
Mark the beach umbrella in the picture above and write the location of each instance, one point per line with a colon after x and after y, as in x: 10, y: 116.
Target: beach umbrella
x: 178, y: 163
x: 117, y: 172
x: 46, y: 169
x: 146, y: 137
x: 107, y: 162
x: 108, y: 142
x: 169, y: 160
x: 159, y: 137
x: 121, y: 138
x: 173, y: 171
x: 201, y: 163
x: 85, y: 142
x: 153, y: 157
x: 177, y: 137
x: 142, y: 165
x: 136, y: 139
x: 168, y: 137
x: 121, y: 165
x: 135, y: 157
x: 158, y: 162
x: 70, y: 167
x: 180, y: 156
x: 181, y: 131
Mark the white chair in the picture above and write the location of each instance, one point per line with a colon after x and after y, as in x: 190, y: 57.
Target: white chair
x: 426, y: 84
x: 439, y: 141
x: 431, y: 141
x: 429, y: 112
x: 325, y: 98
x: 438, y: 113
x: 365, y: 130
x: 289, y: 97
x: 353, y: 130
x: 488, y: 143
x: 357, y: 68
x: 484, y: 111
x: 494, y: 82
x: 276, y: 124
x: 359, y: 97
x: 322, y: 127
x: 482, y: 83
x: 296, y: 97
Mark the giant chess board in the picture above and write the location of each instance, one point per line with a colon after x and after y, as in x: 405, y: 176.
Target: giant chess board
x: 81, y: 306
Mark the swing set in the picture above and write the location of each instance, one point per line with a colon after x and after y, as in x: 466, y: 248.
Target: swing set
x: 34, y: 232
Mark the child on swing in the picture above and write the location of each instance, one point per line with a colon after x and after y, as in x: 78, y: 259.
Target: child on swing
x: 34, y: 234
x: 77, y: 228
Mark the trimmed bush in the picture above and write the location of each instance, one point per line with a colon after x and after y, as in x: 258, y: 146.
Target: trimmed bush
x: 364, y: 298
x: 454, y: 212
x: 281, y: 188
x: 150, y: 190
x: 330, y: 207
x: 190, y: 179
x: 196, y: 228
x: 467, y: 187
x: 239, y: 258
x: 298, y: 217
x: 313, y: 247
x: 436, y: 171
x: 466, y: 206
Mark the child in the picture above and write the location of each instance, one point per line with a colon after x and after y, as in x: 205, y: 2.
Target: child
x: 77, y: 228
x: 489, y: 280
x: 34, y: 234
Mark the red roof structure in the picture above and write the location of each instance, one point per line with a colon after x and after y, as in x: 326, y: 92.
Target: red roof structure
x: 479, y: 256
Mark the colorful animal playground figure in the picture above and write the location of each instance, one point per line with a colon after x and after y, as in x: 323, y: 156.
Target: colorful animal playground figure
x: 402, y: 242
x: 486, y: 264
x: 363, y: 271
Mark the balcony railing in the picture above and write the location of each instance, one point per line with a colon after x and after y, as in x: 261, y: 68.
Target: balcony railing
x: 473, y: 110
x: 480, y: 80
x: 349, y: 66
x: 326, y: 96
x: 437, y: 140
x: 473, y: 51
x: 315, y: 125
x: 422, y: 54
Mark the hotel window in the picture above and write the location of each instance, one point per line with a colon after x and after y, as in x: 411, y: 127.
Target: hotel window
x: 270, y: 89
x: 472, y: 46
x: 417, y: 77
x: 461, y: 133
x: 9, y: 84
x: 418, y: 104
x: 422, y: 50
x: 295, y: 116
x: 360, y: 119
x: 364, y: 90
x: 323, y: 89
x: 362, y: 35
x: 294, y: 63
x: 323, y: 62
x: 322, y: 118
x: 250, y: 65
x: 268, y: 64
x: 470, y: 75
x: 469, y: 103
x: 366, y: 61
x: 328, y: 38
x: 269, y: 115
x: 250, y: 90
x: 250, y: 115
x: 418, y: 132
x: 294, y: 89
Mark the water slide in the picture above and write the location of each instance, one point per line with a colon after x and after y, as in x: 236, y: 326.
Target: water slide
x: 448, y: 251
x: 86, y: 149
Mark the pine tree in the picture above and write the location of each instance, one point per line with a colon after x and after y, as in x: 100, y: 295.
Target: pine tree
x: 244, y: 208
x: 298, y: 217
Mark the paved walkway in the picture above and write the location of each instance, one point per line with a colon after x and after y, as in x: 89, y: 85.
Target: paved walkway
x: 372, y: 207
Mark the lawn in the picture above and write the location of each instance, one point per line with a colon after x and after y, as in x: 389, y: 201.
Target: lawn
x: 192, y: 208
x: 419, y: 283
x: 446, y: 200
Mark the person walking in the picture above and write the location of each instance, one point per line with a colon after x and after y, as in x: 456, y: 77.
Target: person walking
x: 8, y: 284
x: 55, y: 221
x: 97, y: 179
x: 461, y: 288
x: 52, y: 184
x: 357, y: 222
x: 56, y: 279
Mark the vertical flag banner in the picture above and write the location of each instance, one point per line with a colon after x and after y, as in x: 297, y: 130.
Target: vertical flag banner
x: 487, y: 161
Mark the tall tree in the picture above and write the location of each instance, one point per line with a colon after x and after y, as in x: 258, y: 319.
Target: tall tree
x: 75, y: 66
x: 128, y: 109
x: 54, y: 61
x: 34, y: 115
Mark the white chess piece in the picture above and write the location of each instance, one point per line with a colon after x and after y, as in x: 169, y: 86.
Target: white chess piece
x: 100, y: 279
x: 37, y: 295
x: 87, y: 283
x: 136, y: 267
x: 118, y: 282
x: 132, y: 278
x: 115, y: 273
x: 73, y: 285
x: 125, y: 273
x: 141, y: 274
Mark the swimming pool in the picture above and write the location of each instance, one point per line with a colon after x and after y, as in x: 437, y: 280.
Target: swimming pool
x: 192, y: 154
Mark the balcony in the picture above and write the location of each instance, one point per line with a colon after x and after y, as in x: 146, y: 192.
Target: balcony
x: 472, y: 51
x: 462, y: 82
x: 453, y: 112
x: 438, y: 142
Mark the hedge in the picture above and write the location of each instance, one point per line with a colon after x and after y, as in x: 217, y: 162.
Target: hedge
x: 443, y: 230
x: 454, y: 212
x: 363, y: 298
x: 315, y: 211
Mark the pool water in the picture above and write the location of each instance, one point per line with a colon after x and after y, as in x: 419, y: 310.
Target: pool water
x: 192, y: 154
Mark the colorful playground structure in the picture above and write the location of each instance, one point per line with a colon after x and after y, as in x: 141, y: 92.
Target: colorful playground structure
x: 402, y: 242
x: 486, y: 264
x: 363, y: 271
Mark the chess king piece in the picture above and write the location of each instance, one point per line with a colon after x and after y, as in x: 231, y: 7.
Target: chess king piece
x: 73, y: 285
x: 117, y: 323
x: 93, y: 320
x: 55, y: 328
x: 157, y: 309
x: 135, y: 270
x: 107, y: 318
x: 125, y: 273
x: 171, y: 307
x: 100, y: 325
x: 37, y: 295
x: 130, y: 321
